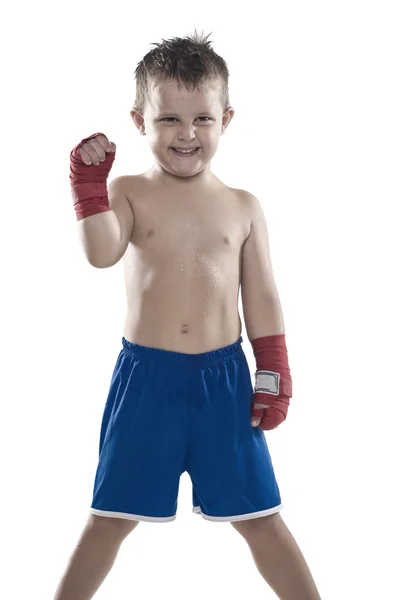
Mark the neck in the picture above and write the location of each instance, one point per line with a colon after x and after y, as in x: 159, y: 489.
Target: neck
x: 157, y: 172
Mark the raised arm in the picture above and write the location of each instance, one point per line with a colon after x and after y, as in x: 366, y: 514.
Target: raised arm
x: 105, y: 236
x: 105, y: 216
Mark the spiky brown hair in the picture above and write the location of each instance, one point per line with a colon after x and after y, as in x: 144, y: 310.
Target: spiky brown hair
x: 189, y: 61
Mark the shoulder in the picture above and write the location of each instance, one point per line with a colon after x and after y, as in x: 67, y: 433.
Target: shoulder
x: 246, y: 197
x: 131, y: 186
x: 127, y: 182
x: 250, y: 203
x: 250, y: 208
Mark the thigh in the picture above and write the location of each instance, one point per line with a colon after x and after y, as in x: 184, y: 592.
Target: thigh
x: 143, y: 443
x: 121, y: 526
x: 251, y: 529
x: 228, y: 460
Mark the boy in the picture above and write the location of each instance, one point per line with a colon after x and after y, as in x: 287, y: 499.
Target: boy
x: 181, y: 396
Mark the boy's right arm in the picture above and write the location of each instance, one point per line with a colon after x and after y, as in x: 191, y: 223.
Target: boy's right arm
x: 105, y: 236
x: 105, y: 217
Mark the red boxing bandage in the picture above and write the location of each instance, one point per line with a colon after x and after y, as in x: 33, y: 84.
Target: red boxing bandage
x: 273, y: 381
x: 89, y: 183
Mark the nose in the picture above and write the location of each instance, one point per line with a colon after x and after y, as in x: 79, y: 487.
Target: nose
x: 186, y: 133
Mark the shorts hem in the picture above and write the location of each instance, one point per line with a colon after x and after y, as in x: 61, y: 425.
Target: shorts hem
x: 130, y: 516
x: 244, y: 517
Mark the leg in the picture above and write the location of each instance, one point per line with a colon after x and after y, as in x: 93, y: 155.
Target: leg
x: 93, y: 557
x: 278, y: 557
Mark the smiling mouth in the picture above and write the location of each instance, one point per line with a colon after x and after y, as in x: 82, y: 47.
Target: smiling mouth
x: 185, y: 152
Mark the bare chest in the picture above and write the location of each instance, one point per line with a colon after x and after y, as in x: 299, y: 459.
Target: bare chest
x: 188, y: 230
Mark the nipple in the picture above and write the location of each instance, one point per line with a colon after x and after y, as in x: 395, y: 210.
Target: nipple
x: 184, y: 329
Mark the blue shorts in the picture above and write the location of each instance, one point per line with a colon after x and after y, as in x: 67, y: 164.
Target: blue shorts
x: 167, y: 413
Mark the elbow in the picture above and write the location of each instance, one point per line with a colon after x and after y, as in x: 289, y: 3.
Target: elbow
x: 104, y: 256
x: 99, y: 266
x: 102, y: 262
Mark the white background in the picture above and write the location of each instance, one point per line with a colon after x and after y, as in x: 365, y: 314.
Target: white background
x: 315, y: 137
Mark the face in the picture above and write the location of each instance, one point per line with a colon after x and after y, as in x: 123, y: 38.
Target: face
x: 177, y: 119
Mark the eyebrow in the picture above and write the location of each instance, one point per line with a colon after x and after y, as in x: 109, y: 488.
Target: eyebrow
x: 171, y: 113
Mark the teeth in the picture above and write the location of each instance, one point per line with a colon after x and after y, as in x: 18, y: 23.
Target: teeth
x: 186, y: 151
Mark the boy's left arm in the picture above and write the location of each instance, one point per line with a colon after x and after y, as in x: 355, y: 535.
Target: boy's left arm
x: 264, y: 323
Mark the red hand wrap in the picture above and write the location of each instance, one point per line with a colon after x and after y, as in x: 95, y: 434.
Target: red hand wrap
x: 273, y: 381
x: 88, y: 183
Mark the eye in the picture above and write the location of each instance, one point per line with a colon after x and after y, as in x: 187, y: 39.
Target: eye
x: 171, y: 119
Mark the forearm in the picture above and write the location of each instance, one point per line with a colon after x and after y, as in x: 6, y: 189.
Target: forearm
x: 264, y: 319
x: 273, y: 385
x: 99, y: 230
x: 100, y: 236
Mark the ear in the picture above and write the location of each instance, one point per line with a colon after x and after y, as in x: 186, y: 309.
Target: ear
x: 227, y: 118
x: 138, y: 119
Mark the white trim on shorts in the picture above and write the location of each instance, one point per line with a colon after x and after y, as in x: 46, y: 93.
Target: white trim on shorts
x: 245, y: 517
x: 120, y: 515
x: 195, y: 510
